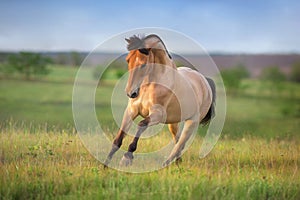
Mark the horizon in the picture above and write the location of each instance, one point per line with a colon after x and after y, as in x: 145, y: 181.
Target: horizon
x: 214, y: 53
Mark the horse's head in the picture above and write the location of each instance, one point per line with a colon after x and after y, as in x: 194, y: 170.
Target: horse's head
x: 137, y: 62
x: 143, y: 52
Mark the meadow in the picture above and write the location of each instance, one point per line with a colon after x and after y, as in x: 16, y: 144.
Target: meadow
x: 42, y: 157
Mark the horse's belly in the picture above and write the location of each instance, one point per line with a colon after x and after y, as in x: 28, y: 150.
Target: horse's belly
x: 173, y: 116
x: 180, y: 109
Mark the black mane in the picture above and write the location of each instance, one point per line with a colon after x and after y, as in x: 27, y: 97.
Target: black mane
x: 135, y: 42
x: 138, y: 42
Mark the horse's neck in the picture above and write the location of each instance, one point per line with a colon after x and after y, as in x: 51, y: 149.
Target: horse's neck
x: 163, y: 69
x: 162, y: 57
x: 163, y: 74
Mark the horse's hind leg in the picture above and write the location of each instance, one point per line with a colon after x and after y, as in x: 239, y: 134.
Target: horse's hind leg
x: 188, y: 129
x: 175, y: 134
x: 174, y: 130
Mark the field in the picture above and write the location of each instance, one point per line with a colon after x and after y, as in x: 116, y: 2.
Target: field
x: 42, y: 157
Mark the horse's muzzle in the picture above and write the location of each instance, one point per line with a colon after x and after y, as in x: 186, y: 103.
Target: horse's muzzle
x: 134, y: 93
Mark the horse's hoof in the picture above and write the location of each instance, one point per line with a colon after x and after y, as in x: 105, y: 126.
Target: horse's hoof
x: 105, y: 164
x: 126, y: 160
x: 178, y: 161
x: 166, y: 163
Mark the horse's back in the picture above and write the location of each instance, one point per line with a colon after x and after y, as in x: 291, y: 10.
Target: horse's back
x: 196, y: 79
x: 201, y: 88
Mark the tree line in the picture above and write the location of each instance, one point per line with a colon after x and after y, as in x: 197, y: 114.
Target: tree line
x: 233, y: 77
x: 31, y: 65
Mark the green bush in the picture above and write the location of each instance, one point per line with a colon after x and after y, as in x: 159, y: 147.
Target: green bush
x: 273, y: 74
x: 1, y: 70
x: 290, y: 110
x: 233, y: 77
x: 98, y: 71
x: 273, y: 79
x: 28, y: 64
x: 295, y: 72
x: 114, y: 71
x: 119, y: 73
x: 76, y: 58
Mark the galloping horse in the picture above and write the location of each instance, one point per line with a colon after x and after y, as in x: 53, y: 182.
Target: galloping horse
x: 162, y: 93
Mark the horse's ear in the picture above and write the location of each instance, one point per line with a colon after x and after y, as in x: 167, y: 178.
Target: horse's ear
x: 144, y: 51
x: 127, y: 40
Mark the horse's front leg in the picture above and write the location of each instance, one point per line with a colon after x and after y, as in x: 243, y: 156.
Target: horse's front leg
x: 154, y: 118
x: 188, y: 129
x: 125, y: 126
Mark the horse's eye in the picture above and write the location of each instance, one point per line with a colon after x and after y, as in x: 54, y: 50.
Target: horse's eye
x: 143, y: 65
x: 144, y: 51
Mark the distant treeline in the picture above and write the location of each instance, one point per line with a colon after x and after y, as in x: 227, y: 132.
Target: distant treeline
x: 254, y: 63
x: 72, y: 58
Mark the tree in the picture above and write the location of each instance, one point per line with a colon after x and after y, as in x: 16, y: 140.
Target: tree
x: 115, y: 70
x: 76, y: 58
x: 1, y: 70
x: 233, y: 77
x: 272, y: 74
x: 273, y: 78
x: 295, y: 72
x: 62, y: 59
x: 29, y: 64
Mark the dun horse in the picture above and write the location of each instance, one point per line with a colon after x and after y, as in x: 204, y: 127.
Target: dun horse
x: 162, y: 93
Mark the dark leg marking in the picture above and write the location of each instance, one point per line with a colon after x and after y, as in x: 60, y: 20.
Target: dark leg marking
x: 117, y: 143
x: 128, y: 156
x: 142, y: 127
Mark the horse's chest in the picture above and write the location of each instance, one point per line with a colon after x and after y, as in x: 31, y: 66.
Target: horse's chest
x: 142, y: 106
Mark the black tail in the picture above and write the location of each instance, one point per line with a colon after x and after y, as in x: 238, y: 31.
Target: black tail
x: 211, y: 112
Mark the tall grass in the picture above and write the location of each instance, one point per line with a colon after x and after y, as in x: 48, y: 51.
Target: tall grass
x: 51, y: 165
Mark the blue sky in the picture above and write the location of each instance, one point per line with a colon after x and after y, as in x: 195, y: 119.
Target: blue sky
x: 270, y: 26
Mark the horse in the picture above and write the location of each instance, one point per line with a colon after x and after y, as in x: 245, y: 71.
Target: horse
x: 162, y: 93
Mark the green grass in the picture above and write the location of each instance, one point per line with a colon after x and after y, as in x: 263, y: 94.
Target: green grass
x: 51, y: 165
x: 41, y: 157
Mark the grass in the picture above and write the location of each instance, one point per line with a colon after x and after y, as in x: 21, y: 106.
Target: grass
x: 41, y: 157
x: 50, y: 165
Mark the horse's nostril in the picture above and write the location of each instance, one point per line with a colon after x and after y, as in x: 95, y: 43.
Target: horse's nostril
x: 133, y: 95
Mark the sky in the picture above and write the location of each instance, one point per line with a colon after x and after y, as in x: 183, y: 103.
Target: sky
x: 268, y: 26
